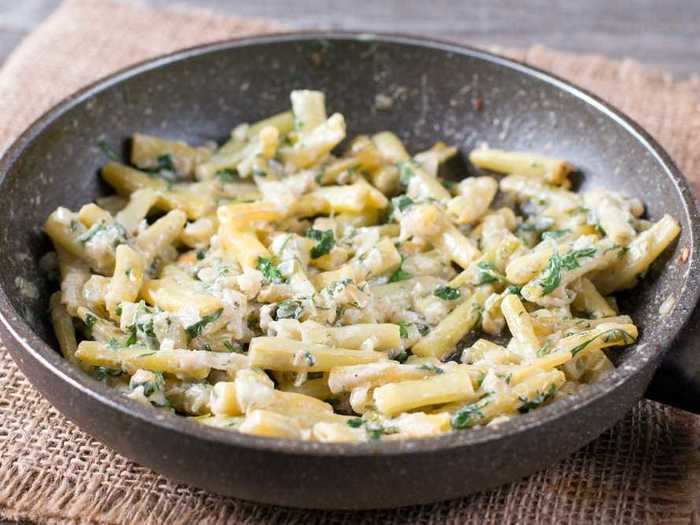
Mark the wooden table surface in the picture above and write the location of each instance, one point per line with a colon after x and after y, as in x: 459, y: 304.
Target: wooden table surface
x: 659, y: 32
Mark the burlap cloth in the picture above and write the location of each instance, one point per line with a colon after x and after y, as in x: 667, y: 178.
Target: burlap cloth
x: 645, y: 470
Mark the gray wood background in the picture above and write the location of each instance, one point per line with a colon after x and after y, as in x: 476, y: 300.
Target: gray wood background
x: 658, y: 32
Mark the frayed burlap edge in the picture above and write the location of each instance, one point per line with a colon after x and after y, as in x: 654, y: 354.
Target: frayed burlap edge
x: 645, y: 470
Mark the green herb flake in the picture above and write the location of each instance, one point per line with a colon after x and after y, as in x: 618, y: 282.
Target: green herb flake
x: 289, y: 309
x: 545, y: 349
x: 555, y: 234
x: 326, y: 242
x: 355, y: 422
x: 402, y: 202
x: 227, y: 175
x: 612, y: 335
x: 399, y: 356
x: 448, y: 184
x: 405, y: 173
x: 114, y: 230
x: 571, y: 260
x: 537, y: 401
x: 151, y: 387
x: 196, y: 329
x: 486, y: 273
x: 90, y: 321
x: 103, y: 372
x: 551, y: 279
x: 271, y: 273
x: 431, y: 368
x: 403, y: 329
x: 447, y: 293
x: 469, y: 415
x: 399, y: 274
x: 580, y: 209
x: 165, y: 162
x: 132, y: 339
x: 375, y: 431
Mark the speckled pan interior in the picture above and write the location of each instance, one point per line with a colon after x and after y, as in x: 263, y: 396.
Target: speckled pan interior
x: 424, y: 91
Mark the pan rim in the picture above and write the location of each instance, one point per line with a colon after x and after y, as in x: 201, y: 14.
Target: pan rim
x: 50, y: 359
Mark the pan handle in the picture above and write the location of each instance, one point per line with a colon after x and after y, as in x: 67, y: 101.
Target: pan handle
x: 677, y: 380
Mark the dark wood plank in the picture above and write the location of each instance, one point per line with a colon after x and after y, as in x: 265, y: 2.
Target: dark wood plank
x: 661, y: 33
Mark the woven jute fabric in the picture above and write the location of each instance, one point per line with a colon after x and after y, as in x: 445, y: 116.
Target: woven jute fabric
x: 645, y: 470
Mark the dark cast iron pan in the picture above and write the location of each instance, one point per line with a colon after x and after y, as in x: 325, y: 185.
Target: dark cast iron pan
x: 198, y: 95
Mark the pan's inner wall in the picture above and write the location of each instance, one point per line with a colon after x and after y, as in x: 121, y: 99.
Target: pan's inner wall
x: 423, y: 94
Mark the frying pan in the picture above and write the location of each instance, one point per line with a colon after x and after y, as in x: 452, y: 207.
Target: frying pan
x: 198, y: 95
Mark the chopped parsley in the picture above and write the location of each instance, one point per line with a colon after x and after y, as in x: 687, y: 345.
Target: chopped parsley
x: 114, y: 231
x: 151, y: 387
x: 580, y: 209
x: 555, y: 234
x: 326, y: 242
x: 196, y: 329
x: 133, y: 338
x: 469, y: 415
x: 103, y: 372
x: 486, y: 273
x: 289, y: 309
x: 403, y: 329
x: 480, y: 379
x: 271, y: 273
x: 374, y: 429
x: 614, y: 334
x: 621, y: 253
x: 399, y: 356
x: 90, y: 321
x: 400, y: 274
x: 423, y: 329
x: 402, y: 202
x: 164, y: 167
x: 355, y: 422
x: 537, y: 401
x: 227, y: 175
x: 431, y: 368
x: 545, y: 349
x: 405, y: 173
x: 164, y: 163
x: 551, y: 279
x: 447, y: 293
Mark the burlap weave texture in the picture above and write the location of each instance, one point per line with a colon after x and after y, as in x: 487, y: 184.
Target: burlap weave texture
x: 645, y: 470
